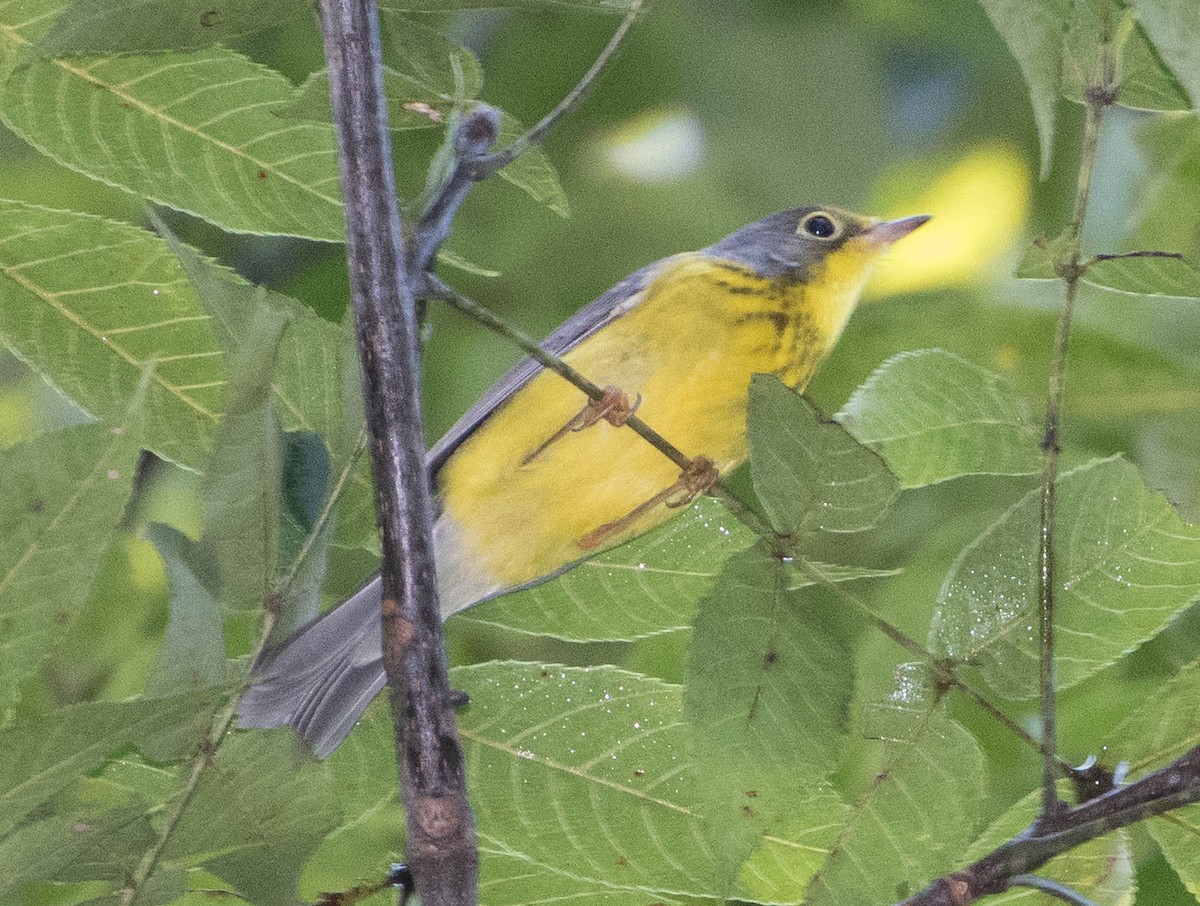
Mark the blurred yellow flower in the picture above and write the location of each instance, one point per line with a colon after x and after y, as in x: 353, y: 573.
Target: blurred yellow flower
x: 979, y: 205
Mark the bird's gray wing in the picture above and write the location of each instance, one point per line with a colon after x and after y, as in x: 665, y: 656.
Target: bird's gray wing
x: 600, y: 311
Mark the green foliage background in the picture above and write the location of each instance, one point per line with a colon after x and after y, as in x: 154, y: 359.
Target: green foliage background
x: 588, y: 780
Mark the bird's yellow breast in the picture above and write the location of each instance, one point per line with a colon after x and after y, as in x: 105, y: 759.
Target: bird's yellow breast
x: 688, y: 346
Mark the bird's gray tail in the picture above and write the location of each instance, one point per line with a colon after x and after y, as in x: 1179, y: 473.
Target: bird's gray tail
x: 322, y: 678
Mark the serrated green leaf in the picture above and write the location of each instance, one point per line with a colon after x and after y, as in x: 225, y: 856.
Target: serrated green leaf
x: 1034, y: 35
x: 192, y: 131
x: 130, y: 26
x: 1173, y: 26
x: 64, y: 496
x: 909, y: 826
x: 766, y: 694
x: 1143, y: 82
x: 41, y: 757
x: 579, y: 771
x: 809, y: 473
x: 646, y: 586
x: 434, y: 6
x: 584, y: 774
x: 261, y: 804
x: 1176, y: 838
x: 1100, y: 869
x: 1126, y: 565
x: 193, y: 652
x: 452, y: 258
x: 934, y: 416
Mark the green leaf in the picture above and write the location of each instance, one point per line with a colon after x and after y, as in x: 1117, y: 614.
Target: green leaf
x: 1034, y: 35
x: 1146, y: 276
x: 427, y: 58
x: 1143, y: 274
x: 243, y: 481
x: 434, y: 6
x: 766, y: 694
x: 41, y: 757
x: 257, y: 816
x: 580, y: 771
x: 64, y: 496
x: 1100, y: 869
x: 1126, y: 565
x: 809, y: 473
x: 933, y: 416
x: 646, y: 586
x: 908, y: 827
x: 411, y: 104
x: 452, y: 258
x: 532, y: 171
x: 193, y: 653
x: 1143, y: 82
x: 1176, y: 837
x: 192, y: 131
x: 1173, y: 26
x: 79, y: 846
x: 584, y: 773
x: 130, y: 26
x: 91, y: 304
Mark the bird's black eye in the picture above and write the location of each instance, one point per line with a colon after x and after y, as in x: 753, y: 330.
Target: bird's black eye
x: 819, y: 225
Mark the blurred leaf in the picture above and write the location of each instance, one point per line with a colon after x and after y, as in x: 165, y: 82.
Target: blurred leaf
x: 434, y: 6
x: 1146, y: 276
x: 1173, y: 26
x: 305, y: 478
x: 426, y: 57
x: 1034, y: 34
x: 1164, y: 729
x: 1142, y: 80
x: 928, y: 791
x: 933, y: 416
x: 1040, y: 261
x: 64, y: 496
x: 1176, y: 836
x: 411, y: 104
x: 452, y: 258
x: 646, y: 586
x: 77, y: 847
x: 193, y: 131
x: 41, y: 757
x: 1100, y: 869
x: 809, y: 473
x: 257, y: 816
x: 1126, y: 565
x: 242, y: 484
x: 897, y: 718
x: 193, y: 653
x: 1169, y: 204
x: 532, y: 172
x: 766, y: 693
x: 123, y: 26
x: 91, y: 303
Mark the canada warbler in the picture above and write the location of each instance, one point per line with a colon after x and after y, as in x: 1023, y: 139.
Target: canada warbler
x: 530, y: 483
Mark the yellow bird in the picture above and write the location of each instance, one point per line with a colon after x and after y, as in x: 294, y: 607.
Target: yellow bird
x: 531, y: 481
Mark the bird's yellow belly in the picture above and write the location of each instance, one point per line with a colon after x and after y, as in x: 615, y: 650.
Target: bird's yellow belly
x: 522, y: 518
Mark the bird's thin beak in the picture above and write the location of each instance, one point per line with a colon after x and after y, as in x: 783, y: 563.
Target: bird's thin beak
x: 890, y: 231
